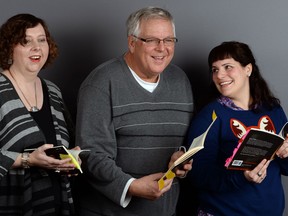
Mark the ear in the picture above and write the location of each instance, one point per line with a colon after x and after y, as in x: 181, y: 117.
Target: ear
x: 131, y: 43
x: 248, y: 69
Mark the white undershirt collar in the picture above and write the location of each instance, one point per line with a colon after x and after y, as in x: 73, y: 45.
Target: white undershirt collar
x: 146, y: 85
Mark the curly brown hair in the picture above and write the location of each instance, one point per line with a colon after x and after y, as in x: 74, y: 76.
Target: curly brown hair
x: 13, y: 32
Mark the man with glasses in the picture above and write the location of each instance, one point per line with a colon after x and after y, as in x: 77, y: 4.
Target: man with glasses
x: 133, y: 114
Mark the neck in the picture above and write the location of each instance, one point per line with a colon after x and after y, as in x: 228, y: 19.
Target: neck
x: 144, y: 76
x: 31, y: 108
x: 244, y: 106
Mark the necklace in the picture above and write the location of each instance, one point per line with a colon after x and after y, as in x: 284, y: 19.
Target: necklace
x: 32, y: 108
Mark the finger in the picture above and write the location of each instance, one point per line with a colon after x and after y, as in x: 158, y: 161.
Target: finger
x: 55, y: 161
x: 283, y: 149
x: 45, y: 146
x: 261, y: 179
x: 262, y: 171
x: 284, y: 153
x: 168, y: 184
x: 181, y: 173
x: 267, y: 164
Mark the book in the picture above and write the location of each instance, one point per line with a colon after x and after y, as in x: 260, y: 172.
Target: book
x: 255, y: 146
x: 196, y: 145
x: 61, y: 152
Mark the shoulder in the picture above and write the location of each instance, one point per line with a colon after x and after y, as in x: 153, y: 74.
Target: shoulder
x: 211, y: 107
x: 3, y: 80
x: 174, y: 67
x: 6, y: 91
x: 108, y: 65
x: 278, y: 113
x: 52, y: 87
x: 104, y: 74
x: 175, y: 76
x: 107, y: 69
x: 174, y: 70
x: 214, y: 108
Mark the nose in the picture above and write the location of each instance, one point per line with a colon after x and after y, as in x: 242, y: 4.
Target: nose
x: 161, y: 45
x: 221, y: 73
x: 35, y: 45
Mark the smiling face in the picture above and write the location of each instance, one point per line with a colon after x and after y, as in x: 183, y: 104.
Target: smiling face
x: 146, y: 60
x: 32, y: 55
x: 232, y: 80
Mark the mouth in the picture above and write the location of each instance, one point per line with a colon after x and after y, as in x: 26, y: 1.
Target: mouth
x: 35, y: 57
x: 226, y: 83
x: 158, y: 58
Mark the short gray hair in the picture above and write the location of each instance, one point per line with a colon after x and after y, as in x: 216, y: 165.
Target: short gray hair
x: 134, y: 20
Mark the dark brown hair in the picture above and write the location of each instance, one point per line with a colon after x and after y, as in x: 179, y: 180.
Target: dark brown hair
x: 240, y: 52
x: 13, y: 31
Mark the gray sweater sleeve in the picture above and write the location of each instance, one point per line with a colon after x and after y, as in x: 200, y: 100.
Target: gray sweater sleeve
x: 95, y: 131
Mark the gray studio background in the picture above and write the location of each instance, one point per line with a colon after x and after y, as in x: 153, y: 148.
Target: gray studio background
x: 89, y: 32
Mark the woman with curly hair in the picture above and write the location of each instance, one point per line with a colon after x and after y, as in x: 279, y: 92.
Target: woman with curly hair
x: 32, y: 116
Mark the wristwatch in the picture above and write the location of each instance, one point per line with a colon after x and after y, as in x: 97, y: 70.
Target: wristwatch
x: 25, y: 160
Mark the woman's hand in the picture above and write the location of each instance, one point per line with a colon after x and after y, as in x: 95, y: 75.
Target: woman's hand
x: 282, y: 152
x: 39, y: 158
x: 259, y: 173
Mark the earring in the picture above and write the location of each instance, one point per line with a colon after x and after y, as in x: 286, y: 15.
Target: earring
x: 10, y: 61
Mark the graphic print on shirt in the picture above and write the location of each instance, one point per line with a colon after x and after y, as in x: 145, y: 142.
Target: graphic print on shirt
x: 239, y: 129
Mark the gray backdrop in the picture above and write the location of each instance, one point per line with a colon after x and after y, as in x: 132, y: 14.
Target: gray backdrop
x: 89, y: 32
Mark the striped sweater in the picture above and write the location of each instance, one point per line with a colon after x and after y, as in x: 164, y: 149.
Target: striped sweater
x: 28, y: 191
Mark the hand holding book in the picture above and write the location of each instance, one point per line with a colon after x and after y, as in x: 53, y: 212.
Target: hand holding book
x: 196, y: 145
x: 255, y: 146
x: 62, y: 153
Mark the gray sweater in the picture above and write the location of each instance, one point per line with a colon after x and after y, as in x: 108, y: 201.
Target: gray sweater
x: 131, y: 133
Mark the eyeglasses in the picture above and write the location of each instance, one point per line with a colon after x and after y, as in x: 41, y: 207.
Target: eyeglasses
x: 156, y: 41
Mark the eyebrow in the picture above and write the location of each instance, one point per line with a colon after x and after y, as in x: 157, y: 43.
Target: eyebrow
x: 228, y: 63
x: 37, y: 36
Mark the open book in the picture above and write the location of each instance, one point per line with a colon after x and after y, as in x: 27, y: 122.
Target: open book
x: 196, y: 145
x: 255, y: 146
x: 61, y: 152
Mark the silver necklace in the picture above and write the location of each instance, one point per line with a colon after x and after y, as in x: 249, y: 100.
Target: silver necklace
x: 32, y: 108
